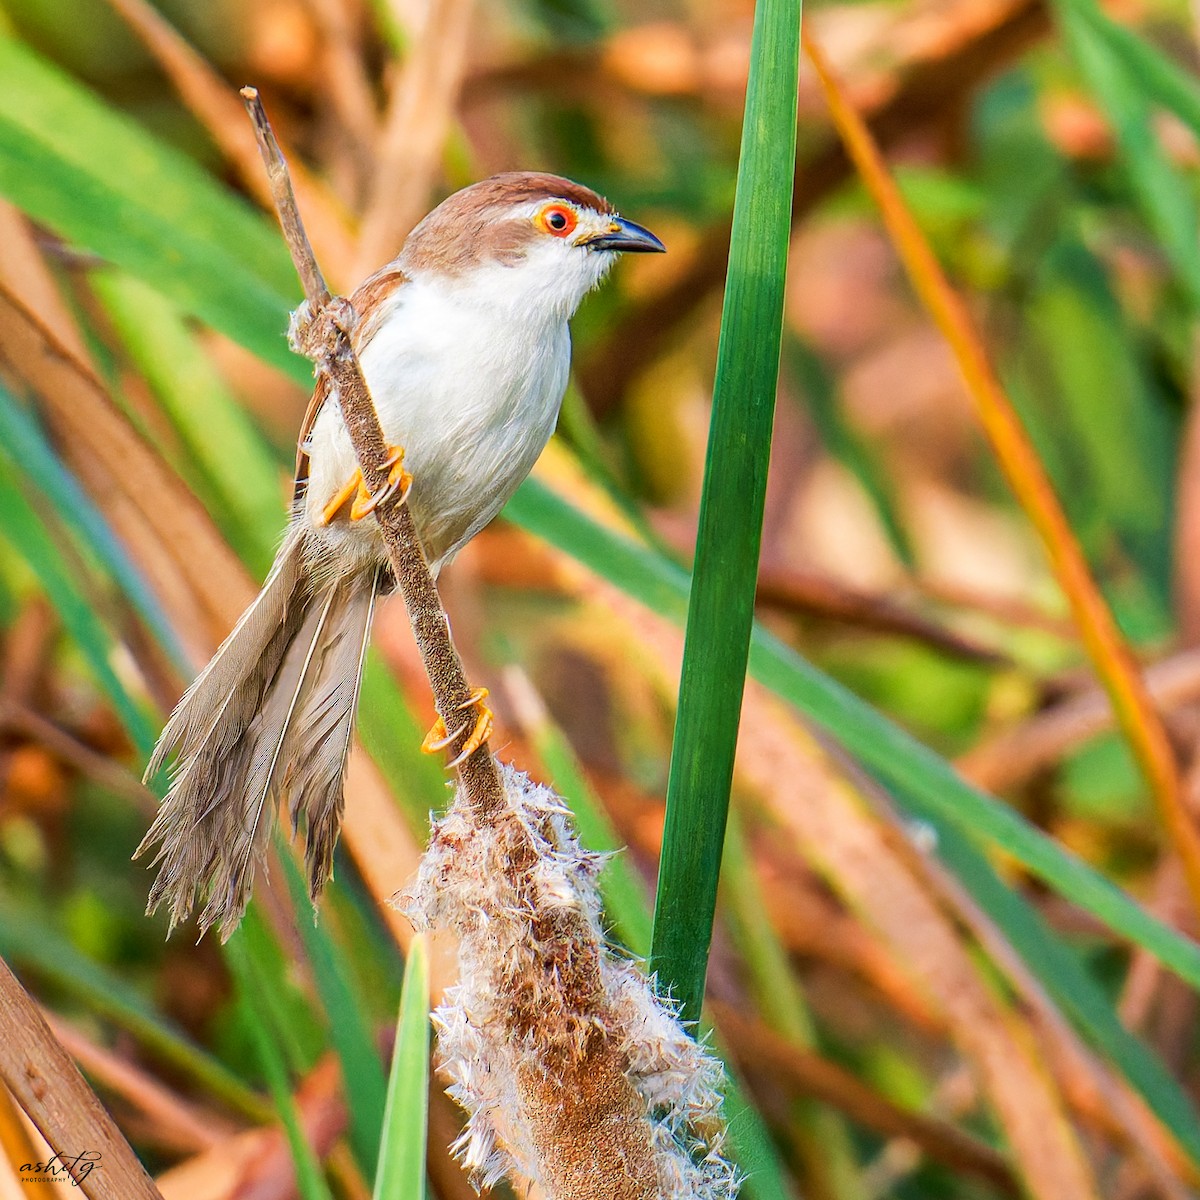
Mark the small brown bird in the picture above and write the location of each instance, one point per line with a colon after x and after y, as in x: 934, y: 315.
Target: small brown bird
x: 463, y: 340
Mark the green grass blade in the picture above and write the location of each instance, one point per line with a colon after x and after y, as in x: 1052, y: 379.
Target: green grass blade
x: 24, y: 529
x: 391, y: 734
x: 253, y: 993
x: 928, y: 786
x: 753, y: 1150
x: 845, y: 444
x: 1123, y: 450
x: 891, y: 753
x: 1165, y: 200
x: 281, y: 1000
x: 1066, y: 979
x: 1159, y: 79
x: 27, y: 938
x: 27, y: 444
x: 219, y: 436
x: 349, y: 1029
x: 626, y: 905
x: 721, y: 609
x: 401, y: 1173
x: 99, y: 181
x: 820, y: 1132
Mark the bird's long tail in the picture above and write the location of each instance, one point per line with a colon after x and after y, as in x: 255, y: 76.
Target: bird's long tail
x: 271, y: 716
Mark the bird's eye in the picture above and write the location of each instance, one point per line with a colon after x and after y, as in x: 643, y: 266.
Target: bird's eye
x: 557, y: 220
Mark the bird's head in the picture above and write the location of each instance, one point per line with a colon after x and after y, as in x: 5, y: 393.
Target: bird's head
x: 523, y: 238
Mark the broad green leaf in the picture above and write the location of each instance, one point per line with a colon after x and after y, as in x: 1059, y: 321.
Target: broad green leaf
x: 887, y: 750
x: 349, y: 1029
x: 401, y: 1173
x: 268, y: 1039
x: 99, y: 181
x: 24, y: 529
x: 721, y: 606
x: 1165, y: 200
x: 221, y: 441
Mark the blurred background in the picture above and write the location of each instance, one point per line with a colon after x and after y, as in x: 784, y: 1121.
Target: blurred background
x: 891, y: 1041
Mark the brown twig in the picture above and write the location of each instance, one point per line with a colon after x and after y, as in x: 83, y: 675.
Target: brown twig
x: 175, y: 1123
x: 198, y: 579
x: 48, y: 1086
x: 1003, y: 610
x: 931, y: 88
x: 335, y: 355
x: 822, y: 596
x: 1087, y: 1083
x: 759, y: 1047
x: 91, y: 764
x: 207, y: 96
x: 414, y: 131
x: 532, y: 964
x: 1011, y: 757
x: 346, y: 88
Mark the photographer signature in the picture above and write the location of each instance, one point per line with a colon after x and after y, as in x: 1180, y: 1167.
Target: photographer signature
x: 60, y: 1168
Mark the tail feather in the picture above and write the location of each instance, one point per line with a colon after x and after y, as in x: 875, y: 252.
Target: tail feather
x: 318, y: 740
x: 201, y: 705
x: 272, y: 714
x: 244, y: 815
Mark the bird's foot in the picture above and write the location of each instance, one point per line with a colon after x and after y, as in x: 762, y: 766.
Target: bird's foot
x: 439, y: 739
x: 361, y: 502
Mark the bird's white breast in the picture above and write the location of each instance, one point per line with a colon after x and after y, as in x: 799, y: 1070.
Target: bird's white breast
x: 470, y: 386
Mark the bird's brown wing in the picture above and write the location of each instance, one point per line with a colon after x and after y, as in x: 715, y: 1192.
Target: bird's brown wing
x: 368, y: 301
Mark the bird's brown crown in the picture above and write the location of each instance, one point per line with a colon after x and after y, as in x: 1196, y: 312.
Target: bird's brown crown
x: 476, y: 224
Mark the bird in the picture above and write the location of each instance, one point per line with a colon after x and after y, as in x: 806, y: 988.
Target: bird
x: 464, y: 342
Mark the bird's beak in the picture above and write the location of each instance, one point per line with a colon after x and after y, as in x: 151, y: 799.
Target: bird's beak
x: 625, y: 235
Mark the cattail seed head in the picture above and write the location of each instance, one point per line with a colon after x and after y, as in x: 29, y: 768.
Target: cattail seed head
x: 574, y: 1075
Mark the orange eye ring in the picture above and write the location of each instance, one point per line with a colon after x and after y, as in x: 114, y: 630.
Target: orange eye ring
x: 557, y: 220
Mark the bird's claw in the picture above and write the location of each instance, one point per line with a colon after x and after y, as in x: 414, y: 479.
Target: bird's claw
x: 438, y: 739
x: 363, y: 503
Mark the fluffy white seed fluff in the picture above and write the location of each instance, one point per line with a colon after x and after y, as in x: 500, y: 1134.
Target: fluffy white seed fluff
x: 521, y: 894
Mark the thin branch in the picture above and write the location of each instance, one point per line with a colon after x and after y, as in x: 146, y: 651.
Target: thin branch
x: 48, y: 1086
x: 345, y: 85
x: 758, y: 1047
x: 929, y: 89
x: 822, y: 596
x: 1011, y: 757
x: 316, y: 291
x: 173, y: 1122
x: 206, y: 94
x: 413, y: 138
x: 1105, y: 645
x: 329, y: 339
x: 63, y: 746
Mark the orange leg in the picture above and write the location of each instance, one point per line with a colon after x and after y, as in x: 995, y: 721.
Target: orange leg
x: 438, y: 739
x: 363, y: 503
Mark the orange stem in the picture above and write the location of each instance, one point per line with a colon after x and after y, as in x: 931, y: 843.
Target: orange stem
x: 1110, y: 655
